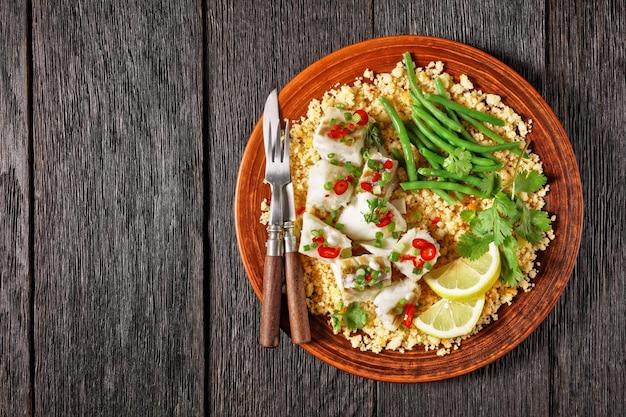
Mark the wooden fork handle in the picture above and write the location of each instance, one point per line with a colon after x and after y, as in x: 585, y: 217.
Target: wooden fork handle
x: 270, y: 308
x: 296, y: 300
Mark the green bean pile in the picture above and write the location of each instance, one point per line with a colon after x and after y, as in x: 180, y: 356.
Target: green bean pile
x: 436, y: 131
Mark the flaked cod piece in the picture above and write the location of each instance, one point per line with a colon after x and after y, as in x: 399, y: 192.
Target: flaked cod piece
x: 321, y: 241
x: 415, y: 253
x: 379, y: 175
x: 369, y: 218
x: 330, y: 186
x: 391, y: 300
x: 362, y: 277
x: 339, y: 139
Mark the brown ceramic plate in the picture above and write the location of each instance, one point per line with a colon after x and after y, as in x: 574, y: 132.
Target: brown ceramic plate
x: 564, y: 200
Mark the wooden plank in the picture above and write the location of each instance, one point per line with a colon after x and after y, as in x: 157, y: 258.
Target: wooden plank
x: 586, y: 86
x: 118, y: 260
x: 574, y: 362
x: 488, y: 26
x: 252, y: 49
x: 15, y: 283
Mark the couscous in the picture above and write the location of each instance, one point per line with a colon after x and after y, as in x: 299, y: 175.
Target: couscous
x: 425, y: 215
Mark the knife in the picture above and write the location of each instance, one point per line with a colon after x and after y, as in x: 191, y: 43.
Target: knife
x: 273, y: 268
x: 296, y: 296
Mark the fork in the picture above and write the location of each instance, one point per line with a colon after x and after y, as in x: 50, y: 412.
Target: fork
x: 277, y: 174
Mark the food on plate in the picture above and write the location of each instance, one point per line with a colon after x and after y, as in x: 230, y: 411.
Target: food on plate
x: 321, y: 241
x: 420, y: 207
x: 447, y: 318
x: 361, y: 278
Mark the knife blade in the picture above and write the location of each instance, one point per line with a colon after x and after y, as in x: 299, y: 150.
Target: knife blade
x: 296, y: 296
x: 273, y: 268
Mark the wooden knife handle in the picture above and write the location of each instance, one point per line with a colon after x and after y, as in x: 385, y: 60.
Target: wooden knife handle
x: 270, y: 309
x: 296, y: 300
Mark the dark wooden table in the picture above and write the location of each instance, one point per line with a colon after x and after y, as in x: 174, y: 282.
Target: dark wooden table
x: 122, y: 125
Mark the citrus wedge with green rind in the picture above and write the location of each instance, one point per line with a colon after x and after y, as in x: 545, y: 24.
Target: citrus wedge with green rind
x: 463, y: 279
x: 448, y: 319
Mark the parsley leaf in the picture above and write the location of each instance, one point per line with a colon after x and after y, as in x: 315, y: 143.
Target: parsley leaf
x: 507, y: 207
x: 491, y: 222
x: 503, y: 223
x: 528, y: 182
x: 336, y: 317
x: 491, y: 183
x: 510, y: 273
x: 458, y: 162
x: 473, y: 246
x: 355, y: 316
x: 507, y: 220
x: 533, y: 223
x: 468, y: 216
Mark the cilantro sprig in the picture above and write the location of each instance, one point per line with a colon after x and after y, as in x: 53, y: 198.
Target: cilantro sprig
x: 507, y: 220
x: 458, y: 162
x: 353, y: 316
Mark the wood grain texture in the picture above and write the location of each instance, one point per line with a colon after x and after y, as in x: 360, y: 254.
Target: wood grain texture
x: 586, y: 85
x: 15, y: 284
x: 252, y: 49
x: 271, y: 302
x: 126, y: 174
x: 118, y: 327
x: 489, y: 26
x: 299, y: 326
x: 516, y: 33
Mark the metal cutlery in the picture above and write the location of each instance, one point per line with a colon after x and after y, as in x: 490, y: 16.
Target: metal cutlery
x: 282, y: 214
x: 296, y: 296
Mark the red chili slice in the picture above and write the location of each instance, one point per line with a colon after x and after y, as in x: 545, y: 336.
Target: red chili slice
x: 388, y: 164
x: 363, y: 115
x: 366, y: 186
x: 405, y: 257
x: 385, y: 220
x: 340, y: 187
x: 429, y: 252
x: 418, y: 263
x: 436, y: 220
x: 376, y: 176
x: 419, y: 243
x: 408, y: 314
x: 328, y: 252
x: 318, y: 239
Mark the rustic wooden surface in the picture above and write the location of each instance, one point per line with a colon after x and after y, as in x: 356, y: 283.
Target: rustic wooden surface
x: 122, y: 125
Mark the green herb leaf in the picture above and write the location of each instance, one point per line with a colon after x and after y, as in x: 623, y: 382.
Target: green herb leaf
x: 491, y: 183
x: 507, y: 207
x: 458, y: 162
x: 355, y: 317
x: 533, y: 223
x: 376, y: 208
x: 528, y: 182
x: 507, y: 220
x: 468, y: 216
x: 510, y: 273
x: 373, y: 138
x: 472, y: 246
